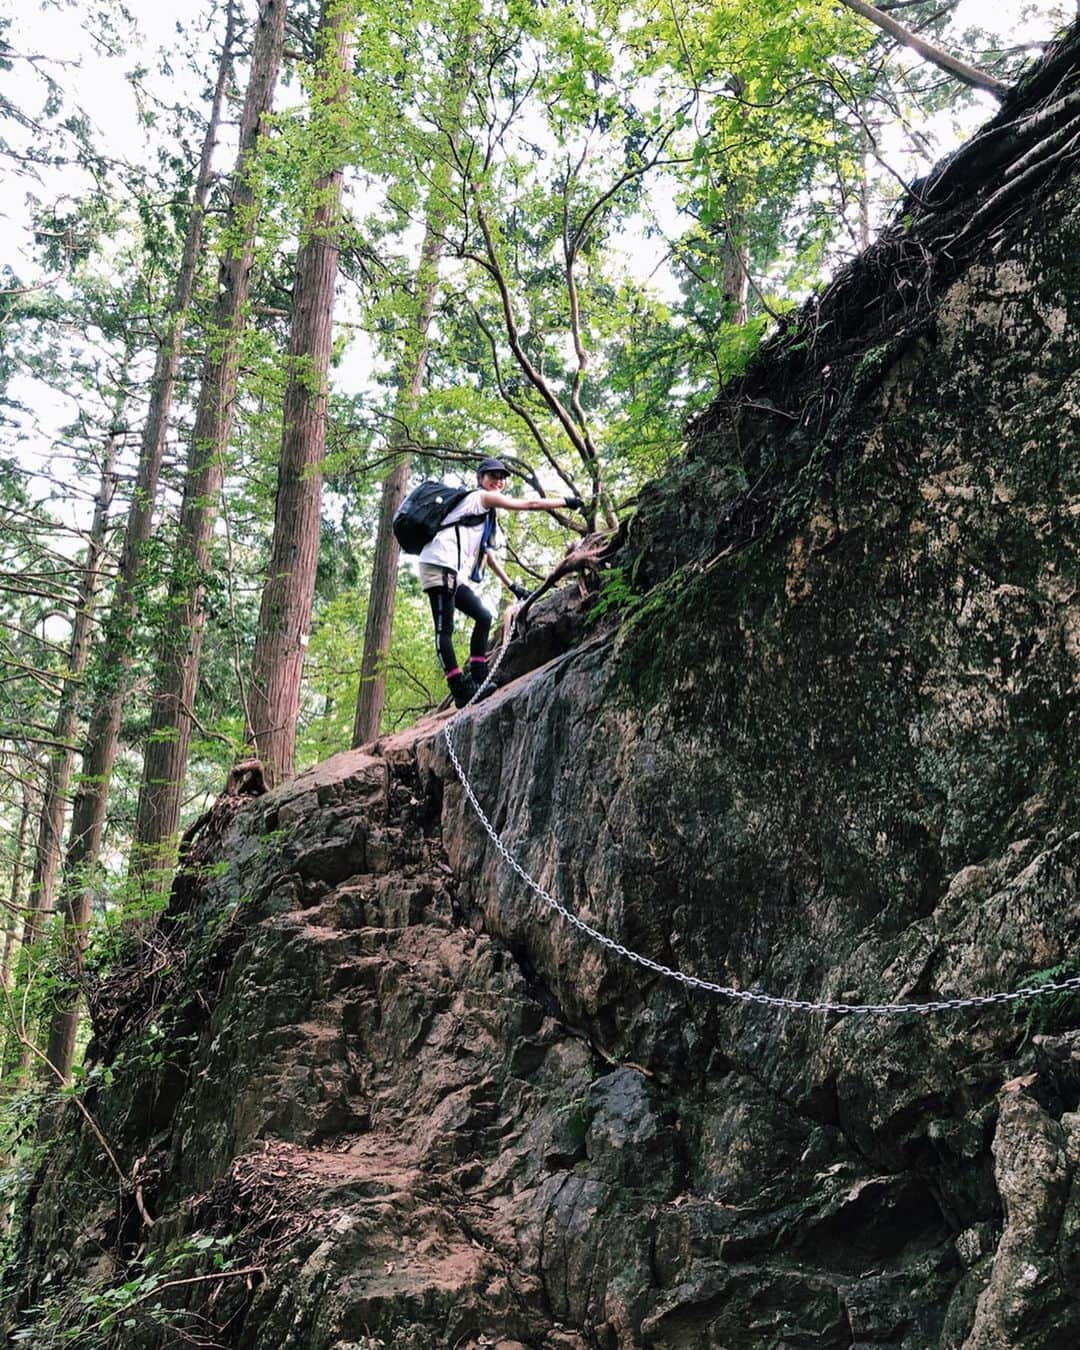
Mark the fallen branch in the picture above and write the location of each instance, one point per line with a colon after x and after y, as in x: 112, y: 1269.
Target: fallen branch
x: 961, y: 70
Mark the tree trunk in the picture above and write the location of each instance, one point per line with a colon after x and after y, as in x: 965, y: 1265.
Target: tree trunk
x: 736, y: 265
x: 50, y: 831
x: 15, y: 893
x: 12, y: 1044
x: 177, y: 671
x: 382, y: 594
x: 865, y: 232
x: 99, y: 753
x: 412, y: 368
x: 285, y: 612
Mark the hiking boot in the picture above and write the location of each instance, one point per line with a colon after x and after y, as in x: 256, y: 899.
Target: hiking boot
x: 462, y: 688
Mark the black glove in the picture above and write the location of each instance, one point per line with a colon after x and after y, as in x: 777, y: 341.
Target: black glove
x: 518, y: 591
x: 574, y: 504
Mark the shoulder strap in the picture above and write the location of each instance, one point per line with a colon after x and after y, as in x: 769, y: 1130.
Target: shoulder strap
x: 473, y: 518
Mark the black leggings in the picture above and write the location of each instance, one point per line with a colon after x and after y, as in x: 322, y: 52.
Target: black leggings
x: 444, y: 601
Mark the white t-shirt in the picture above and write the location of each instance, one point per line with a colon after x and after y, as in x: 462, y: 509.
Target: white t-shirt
x: 457, y: 548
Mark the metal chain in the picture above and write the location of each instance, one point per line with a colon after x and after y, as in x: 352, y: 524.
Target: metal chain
x: 799, y: 1005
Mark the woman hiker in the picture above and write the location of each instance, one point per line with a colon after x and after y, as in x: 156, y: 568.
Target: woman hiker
x: 456, y: 556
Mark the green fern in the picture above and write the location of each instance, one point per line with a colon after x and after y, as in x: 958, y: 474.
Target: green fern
x: 1058, y: 1010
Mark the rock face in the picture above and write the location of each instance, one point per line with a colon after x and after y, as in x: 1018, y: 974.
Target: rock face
x: 828, y: 751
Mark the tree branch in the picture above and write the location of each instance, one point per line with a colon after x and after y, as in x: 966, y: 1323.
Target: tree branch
x: 961, y: 70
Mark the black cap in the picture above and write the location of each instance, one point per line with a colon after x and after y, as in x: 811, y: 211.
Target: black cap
x: 492, y: 466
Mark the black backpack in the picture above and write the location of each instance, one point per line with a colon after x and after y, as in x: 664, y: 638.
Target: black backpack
x: 420, y: 516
